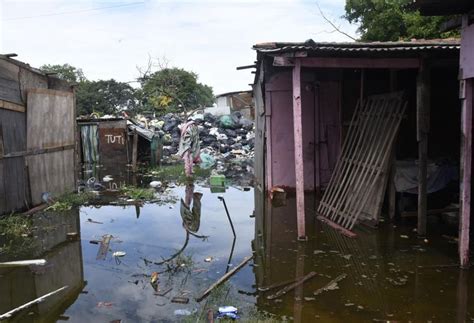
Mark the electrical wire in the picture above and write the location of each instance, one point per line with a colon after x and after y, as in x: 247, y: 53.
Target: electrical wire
x: 76, y: 11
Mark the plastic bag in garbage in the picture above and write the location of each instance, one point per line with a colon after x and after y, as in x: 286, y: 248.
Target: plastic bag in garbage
x: 227, y: 122
x: 207, y: 161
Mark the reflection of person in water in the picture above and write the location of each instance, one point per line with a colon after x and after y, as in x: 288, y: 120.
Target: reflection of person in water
x: 191, y: 215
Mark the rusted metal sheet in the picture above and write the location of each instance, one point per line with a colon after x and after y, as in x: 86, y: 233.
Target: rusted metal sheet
x: 113, y: 142
x: 13, y: 126
x: 50, y: 119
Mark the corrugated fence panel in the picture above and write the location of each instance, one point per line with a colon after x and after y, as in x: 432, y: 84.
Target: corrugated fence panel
x: 9, y: 85
x: 51, y: 172
x: 50, y: 117
x: 14, y: 183
x: 13, y: 127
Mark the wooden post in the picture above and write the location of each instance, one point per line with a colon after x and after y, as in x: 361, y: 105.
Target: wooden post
x: 298, y: 142
x: 423, y: 128
x: 135, y: 151
x: 392, y: 192
x: 466, y: 169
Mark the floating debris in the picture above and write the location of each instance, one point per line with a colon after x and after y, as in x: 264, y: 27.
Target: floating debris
x: 119, y: 254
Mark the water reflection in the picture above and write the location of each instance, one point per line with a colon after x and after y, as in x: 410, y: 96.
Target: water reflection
x: 191, y: 241
x: 64, y: 267
x: 388, y: 274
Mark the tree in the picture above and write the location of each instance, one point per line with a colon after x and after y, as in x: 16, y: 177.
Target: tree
x: 105, y: 97
x: 66, y: 72
x: 174, y: 89
x: 392, y: 20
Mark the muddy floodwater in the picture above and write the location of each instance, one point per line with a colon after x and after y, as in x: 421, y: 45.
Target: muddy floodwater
x: 151, y: 262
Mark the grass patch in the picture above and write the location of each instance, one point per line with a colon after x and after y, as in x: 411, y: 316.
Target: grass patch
x: 137, y: 193
x: 67, y: 201
x: 16, y: 238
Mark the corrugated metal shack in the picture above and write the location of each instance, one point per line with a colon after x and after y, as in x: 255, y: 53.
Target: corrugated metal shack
x: 37, y: 142
x: 306, y: 95
x: 464, y: 9
x: 117, y: 141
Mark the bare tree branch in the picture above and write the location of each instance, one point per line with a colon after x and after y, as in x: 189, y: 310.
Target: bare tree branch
x: 332, y: 24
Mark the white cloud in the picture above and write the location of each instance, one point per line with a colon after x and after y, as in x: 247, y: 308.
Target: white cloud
x: 210, y: 38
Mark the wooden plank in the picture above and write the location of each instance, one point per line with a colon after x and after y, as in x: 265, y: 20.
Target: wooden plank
x: 466, y: 173
x: 51, y: 172
x: 224, y: 278
x: 364, y: 161
x: 9, y: 82
x: 423, y: 121
x: 12, y: 106
x: 342, y: 62
x: 336, y: 175
x: 336, y: 226
x: 298, y: 142
x: 374, y: 155
x: 3, y: 201
x: 36, y: 152
x: 14, y: 183
x: 14, y: 130
x: 50, y: 119
x: 389, y: 134
x: 292, y: 286
x: 135, y: 151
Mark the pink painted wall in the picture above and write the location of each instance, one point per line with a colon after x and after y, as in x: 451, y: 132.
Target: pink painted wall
x: 279, y: 128
x: 467, y: 52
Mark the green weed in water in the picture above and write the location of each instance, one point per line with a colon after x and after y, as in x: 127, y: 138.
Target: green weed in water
x: 137, y: 193
x: 67, y: 201
x: 15, y: 236
x: 175, y: 173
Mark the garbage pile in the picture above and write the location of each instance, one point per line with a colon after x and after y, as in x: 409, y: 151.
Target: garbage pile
x: 227, y: 139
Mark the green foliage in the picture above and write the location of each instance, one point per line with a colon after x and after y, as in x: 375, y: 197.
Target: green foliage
x: 137, y: 193
x: 65, y: 72
x: 104, y: 97
x: 172, y: 89
x: 70, y: 200
x: 175, y: 173
x: 390, y: 20
x: 15, y: 236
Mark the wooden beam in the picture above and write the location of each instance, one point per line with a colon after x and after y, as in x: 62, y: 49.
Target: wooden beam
x: 466, y: 170
x: 298, y: 142
x: 135, y: 151
x: 12, y: 106
x: 345, y: 62
x: 423, y: 128
x: 36, y: 151
x: 246, y: 67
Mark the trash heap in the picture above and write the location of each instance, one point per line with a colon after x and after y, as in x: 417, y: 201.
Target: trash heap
x: 225, y: 140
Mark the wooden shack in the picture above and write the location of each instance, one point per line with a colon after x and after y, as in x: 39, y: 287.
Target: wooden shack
x: 117, y: 141
x: 306, y: 96
x: 464, y: 10
x: 37, y: 137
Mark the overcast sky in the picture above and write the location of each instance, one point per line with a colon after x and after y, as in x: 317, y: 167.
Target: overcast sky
x: 109, y: 38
